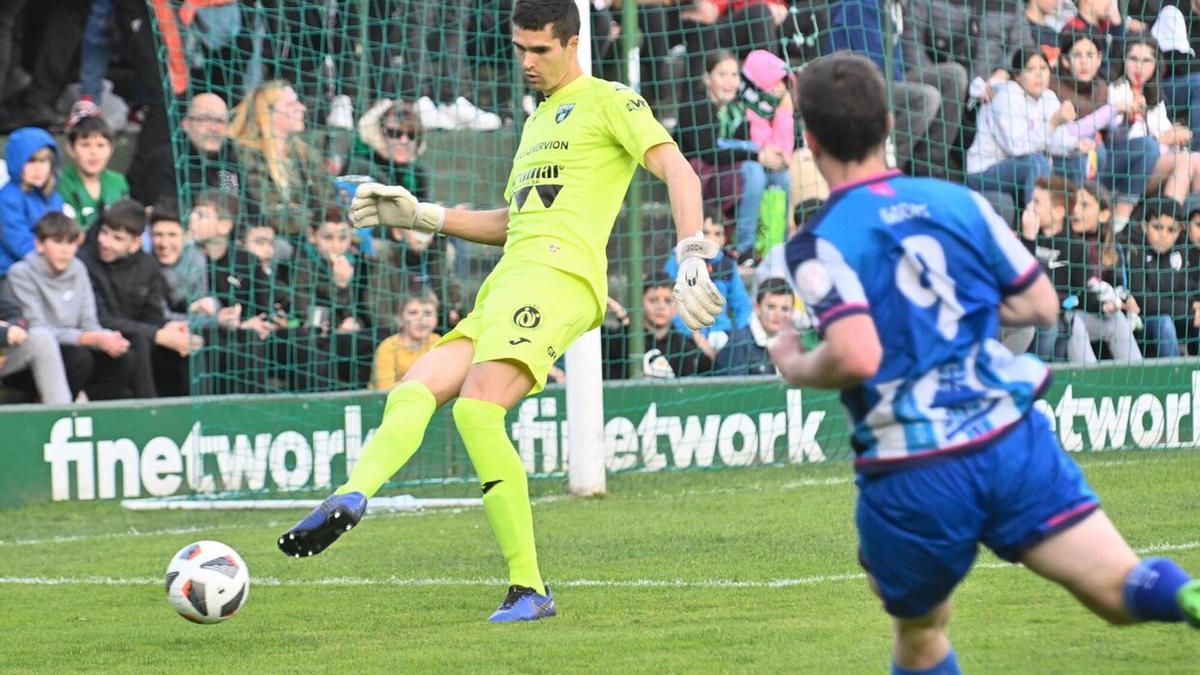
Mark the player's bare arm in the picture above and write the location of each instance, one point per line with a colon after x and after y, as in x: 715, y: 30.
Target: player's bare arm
x: 683, y: 186
x: 1034, y: 306
x: 481, y: 227
x: 850, y: 355
x: 698, y: 300
x: 394, y: 206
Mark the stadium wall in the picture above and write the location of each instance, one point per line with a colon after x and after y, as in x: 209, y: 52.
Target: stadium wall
x: 295, y: 443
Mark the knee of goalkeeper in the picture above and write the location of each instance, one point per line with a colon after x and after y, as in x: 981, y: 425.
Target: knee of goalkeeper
x: 696, y: 297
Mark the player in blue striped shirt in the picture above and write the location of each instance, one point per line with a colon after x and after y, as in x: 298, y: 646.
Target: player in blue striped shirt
x: 908, y: 280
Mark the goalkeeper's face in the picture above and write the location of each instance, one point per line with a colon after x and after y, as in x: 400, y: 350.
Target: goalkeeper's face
x: 546, y: 63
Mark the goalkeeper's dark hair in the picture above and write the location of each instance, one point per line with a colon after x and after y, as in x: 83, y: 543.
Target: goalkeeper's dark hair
x: 561, y: 15
x: 657, y: 280
x: 772, y: 286
x: 844, y: 104
x: 126, y: 215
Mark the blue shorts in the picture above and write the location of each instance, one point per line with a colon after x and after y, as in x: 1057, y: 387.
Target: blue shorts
x: 919, y: 528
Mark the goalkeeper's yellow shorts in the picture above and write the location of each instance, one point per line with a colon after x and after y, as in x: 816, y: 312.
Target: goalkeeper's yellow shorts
x: 528, y: 313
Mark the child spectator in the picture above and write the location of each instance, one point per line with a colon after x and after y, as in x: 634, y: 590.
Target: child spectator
x: 714, y: 134
x: 724, y: 273
x: 32, y: 158
x: 1096, y: 268
x: 1165, y: 280
x: 55, y: 293
x: 87, y: 185
x: 415, y: 321
x: 746, y: 353
x: 992, y: 57
x: 1103, y: 17
x: 408, y: 261
x: 1086, y: 147
x: 1013, y: 131
x: 329, y: 298
x: 31, y: 350
x: 181, y: 264
x: 667, y: 353
x: 764, y: 93
x: 131, y: 297
x: 1177, y: 173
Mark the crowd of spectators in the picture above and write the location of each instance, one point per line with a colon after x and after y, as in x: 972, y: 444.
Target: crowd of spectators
x: 224, y: 261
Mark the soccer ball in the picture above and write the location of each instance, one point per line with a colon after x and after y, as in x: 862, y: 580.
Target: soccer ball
x: 207, y: 582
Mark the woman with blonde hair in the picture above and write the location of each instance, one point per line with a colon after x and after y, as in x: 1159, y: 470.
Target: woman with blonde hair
x: 285, y: 179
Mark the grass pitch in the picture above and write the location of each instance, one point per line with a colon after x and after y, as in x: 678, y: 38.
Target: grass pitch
x: 747, y: 570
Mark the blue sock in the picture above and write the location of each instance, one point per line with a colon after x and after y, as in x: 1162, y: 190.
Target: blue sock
x: 947, y: 666
x: 1151, y: 587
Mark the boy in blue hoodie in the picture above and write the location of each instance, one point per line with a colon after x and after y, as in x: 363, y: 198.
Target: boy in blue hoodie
x: 32, y: 158
x: 724, y: 272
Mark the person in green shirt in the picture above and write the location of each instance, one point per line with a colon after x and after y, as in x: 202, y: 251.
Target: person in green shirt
x: 576, y: 157
x: 87, y: 185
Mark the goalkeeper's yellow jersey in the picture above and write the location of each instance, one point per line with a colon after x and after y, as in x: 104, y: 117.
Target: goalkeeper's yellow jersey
x: 577, y: 154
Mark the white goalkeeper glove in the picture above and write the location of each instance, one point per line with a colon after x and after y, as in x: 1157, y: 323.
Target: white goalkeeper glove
x: 696, y: 298
x: 393, y: 206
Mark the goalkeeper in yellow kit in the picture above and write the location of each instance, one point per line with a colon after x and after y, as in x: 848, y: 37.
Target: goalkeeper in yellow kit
x: 577, y: 154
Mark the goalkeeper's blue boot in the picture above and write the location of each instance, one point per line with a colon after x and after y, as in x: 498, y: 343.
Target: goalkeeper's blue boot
x: 334, y: 517
x: 525, y: 604
x: 1189, y: 602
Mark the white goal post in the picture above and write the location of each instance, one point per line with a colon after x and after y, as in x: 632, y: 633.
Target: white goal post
x: 585, y: 393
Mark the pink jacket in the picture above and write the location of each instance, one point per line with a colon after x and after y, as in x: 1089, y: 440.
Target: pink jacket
x: 766, y: 70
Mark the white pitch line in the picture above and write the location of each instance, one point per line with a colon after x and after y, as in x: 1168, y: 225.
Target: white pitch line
x: 425, y: 582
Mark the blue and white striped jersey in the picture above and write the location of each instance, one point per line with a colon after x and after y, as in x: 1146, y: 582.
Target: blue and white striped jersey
x: 929, y: 261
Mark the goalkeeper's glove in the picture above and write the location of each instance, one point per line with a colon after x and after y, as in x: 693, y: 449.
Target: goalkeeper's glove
x: 393, y: 206
x: 696, y: 298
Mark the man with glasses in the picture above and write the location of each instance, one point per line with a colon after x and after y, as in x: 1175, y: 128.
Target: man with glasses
x: 210, y: 160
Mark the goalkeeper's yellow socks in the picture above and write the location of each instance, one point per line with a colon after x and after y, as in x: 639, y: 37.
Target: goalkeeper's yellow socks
x: 405, y: 416
x: 505, y: 487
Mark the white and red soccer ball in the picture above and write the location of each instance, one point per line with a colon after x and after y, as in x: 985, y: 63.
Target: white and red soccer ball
x: 207, y: 582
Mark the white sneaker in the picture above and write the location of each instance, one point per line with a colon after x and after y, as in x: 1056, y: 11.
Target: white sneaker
x: 467, y: 116
x: 341, y: 113
x: 433, y: 117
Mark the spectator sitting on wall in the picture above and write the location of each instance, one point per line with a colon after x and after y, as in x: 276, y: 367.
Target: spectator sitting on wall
x: 746, y: 353
x: 131, y: 297
x: 32, y: 351
x: 55, y: 293
x: 32, y: 158
x: 415, y: 323
x: 668, y: 353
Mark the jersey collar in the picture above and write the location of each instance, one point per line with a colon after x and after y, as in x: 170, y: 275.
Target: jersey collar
x: 844, y: 187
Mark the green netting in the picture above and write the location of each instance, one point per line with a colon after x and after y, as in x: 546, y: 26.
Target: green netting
x: 425, y: 94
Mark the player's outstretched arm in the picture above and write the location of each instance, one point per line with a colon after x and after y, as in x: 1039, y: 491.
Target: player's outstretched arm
x: 850, y: 354
x: 1037, y: 305
x: 394, y: 206
x: 696, y: 297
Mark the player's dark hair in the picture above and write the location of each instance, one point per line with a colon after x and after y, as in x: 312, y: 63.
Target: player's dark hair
x: 225, y: 204
x: 844, y: 104
x: 772, y: 286
x: 57, y: 226
x: 93, y: 125
x: 655, y: 280
x: 166, y: 208
x: 126, y: 215
x: 561, y: 15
